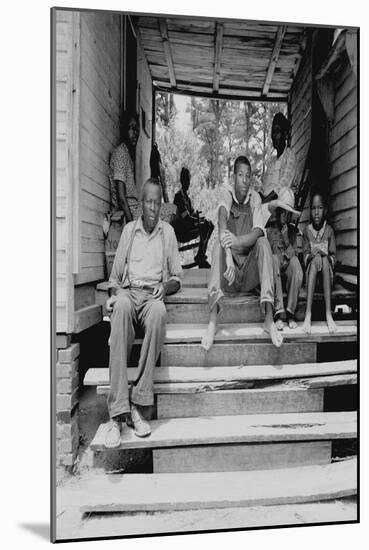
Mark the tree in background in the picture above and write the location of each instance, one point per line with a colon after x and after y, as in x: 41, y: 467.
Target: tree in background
x: 206, y: 115
x: 221, y: 131
x: 164, y: 108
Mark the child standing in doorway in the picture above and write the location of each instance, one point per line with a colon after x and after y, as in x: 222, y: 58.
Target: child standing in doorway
x: 319, y: 252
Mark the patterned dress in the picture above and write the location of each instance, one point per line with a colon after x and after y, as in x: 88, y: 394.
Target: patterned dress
x: 281, y: 173
x: 322, y: 240
x: 122, y: 169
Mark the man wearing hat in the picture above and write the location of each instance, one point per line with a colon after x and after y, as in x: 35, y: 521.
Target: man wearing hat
x: 286, y: 265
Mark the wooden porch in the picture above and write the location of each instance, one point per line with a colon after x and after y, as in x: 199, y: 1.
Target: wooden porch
x: 245, y: 411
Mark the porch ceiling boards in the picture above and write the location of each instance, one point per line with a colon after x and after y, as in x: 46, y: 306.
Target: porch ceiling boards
x: 221, y: 58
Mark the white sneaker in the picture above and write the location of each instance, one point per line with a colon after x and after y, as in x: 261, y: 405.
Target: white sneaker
x: 141, y: 426
x: 112, y: 436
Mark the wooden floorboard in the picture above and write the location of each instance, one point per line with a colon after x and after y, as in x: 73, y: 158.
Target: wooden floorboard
x: 238, y: 429
x: 71, y: 524
x: 162, y: 492
x: 176, y: 333
x: 195, y: 375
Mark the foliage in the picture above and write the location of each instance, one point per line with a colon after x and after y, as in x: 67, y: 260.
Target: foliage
x: 221, y: 131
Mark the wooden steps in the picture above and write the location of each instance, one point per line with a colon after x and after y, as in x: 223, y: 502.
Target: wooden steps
x: 238, y: 429
x: 193, y: 491
x: 227, y: 419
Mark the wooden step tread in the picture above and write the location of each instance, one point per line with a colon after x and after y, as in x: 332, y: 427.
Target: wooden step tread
x: 254, y: 428
x: 199, y: 295
x: 212, y: 375
x: 254, y: 332
x: 187, y: 333
x: 191, y: 491
x: 146, y: 523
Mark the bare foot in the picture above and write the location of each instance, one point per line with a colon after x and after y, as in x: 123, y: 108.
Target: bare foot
x: 208, y: 338
x: 292, y: 323
x: 332, y: 327
x: 306, y: 327
x: 275, y: 335
x: 279, y: 324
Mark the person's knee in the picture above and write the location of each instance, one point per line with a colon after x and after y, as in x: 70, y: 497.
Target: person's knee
x: 316, y: 262
x: 263, y: 244
x: 296, y: 266
x: 325, y: 262
x: 122, y: 305
x: 275, y: 260
x: 157, y: 312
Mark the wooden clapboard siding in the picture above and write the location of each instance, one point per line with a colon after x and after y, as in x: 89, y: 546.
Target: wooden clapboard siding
x: 100, y: 104
x: 343, y: 166
x: 66, y: 30
x: 143, y: 148
x: 300, y: 105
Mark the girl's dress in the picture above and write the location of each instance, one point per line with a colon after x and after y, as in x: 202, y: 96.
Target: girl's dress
x: 323, y: 240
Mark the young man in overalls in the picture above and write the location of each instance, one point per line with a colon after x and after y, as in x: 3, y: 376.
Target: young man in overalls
x: 146, y: 268
x: 242, y: 257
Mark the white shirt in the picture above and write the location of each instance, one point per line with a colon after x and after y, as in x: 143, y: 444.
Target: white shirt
x: 146, y: 257
x: 260, y: 212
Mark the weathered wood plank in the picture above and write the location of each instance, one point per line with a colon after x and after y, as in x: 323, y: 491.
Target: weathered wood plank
x: 348, y: 122
x: 347, y: 142
x: 88, y: 275
x: 274, y: 58
x: 237, y: 354
x: 344, y: 201
x: 347, y: 239
x: 232, y: 402
x: 87, y: 317
x: 216, y: 490
x: 329, y: 511
x: 347, y: 257
x: 343, y: 182
x: 272, y: 385
x: 344, y: 86
x: 205, y: 376
x: 344, y: 163
x: 233, y: 458
x: 250, y: 428
x: 345, y: 106
x: 343, y: 221
x: 255, y: 332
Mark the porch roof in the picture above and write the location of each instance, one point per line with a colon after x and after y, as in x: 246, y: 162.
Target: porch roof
x: 221, y: 58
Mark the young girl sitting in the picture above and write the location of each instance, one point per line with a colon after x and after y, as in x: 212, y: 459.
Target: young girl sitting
x: 319, y: 251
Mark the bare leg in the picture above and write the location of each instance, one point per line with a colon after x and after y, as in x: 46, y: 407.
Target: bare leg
x: 208, y: 338
x: 310, y: 294
x: 332, y: 327
x: 269, y: 326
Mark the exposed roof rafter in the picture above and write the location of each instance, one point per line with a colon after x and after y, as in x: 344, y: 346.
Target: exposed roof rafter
x: 219, y: 29
x: 167, y: 51
x: 274, y: 59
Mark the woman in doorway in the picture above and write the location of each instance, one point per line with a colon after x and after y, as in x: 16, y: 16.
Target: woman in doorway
x: 124, y: 193
x: 281, y: 172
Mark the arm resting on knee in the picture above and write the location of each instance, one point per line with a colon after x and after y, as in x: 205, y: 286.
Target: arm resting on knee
x: 171, y: 286
x: 248, y: 240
